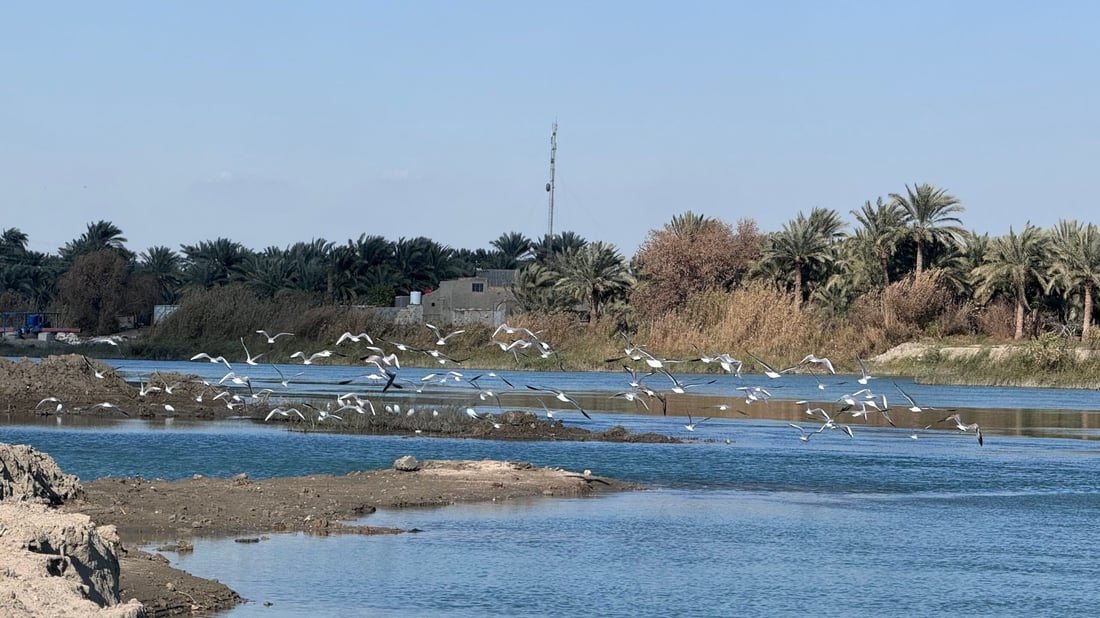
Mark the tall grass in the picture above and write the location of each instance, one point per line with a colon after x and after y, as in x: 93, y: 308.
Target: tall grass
x: 757, y: 319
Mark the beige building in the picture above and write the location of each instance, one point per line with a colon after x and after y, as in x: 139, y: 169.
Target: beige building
x: 485, y: 298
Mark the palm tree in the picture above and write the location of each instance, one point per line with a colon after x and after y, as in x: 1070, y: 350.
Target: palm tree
x: 13, y: 242
x: 535, y: 289
x: 883, y: 227
x: 418, y: 260
x: 216, y: 262
x: 99, y: 235
x: 269, y: 271
x: 800, y: 244
x: 311, y: 264
x: 827, y: 223
x: 437, y: 264
x: 594, y: 274
x: 1012, y: 263
x: 960, y: 261
x: 930, y: 216
x: 513, y: 246
x: 343, y: 284
x: 551, y: 247
x: 686, y: 224
x: 165, y: 265
x: 1075, y: 250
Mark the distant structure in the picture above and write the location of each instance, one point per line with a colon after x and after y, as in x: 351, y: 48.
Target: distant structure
x: 550, y: 185
x: 486, y: 298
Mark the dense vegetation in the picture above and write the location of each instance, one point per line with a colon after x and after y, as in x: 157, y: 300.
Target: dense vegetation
x: 902, y: 269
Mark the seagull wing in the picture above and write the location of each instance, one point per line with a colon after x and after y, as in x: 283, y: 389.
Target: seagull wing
x: 906, y: 395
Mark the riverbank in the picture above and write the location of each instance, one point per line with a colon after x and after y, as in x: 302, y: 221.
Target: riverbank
x: 1045, y: 362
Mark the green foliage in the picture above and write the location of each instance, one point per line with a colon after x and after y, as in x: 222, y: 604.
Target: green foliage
x: 535, y: 288
x: 1013, y: 267
x: 99, y: 235
x: 221, y: 315
x: 804, y: 248
x: 1047, y: 352
x: 594, y: 275
x: 378, y: 295
x: 94, y: 291
x: 931, y: 217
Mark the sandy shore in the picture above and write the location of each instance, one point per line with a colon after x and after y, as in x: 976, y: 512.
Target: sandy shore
x: 173, y: 512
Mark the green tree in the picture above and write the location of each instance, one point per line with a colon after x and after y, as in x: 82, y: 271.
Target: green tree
x: 13, y: 242
x: 550, y: 248
x: 213, y: 262
x: 930, y: 217
x: 882, y: 227
x: 513, y: 246
x: 268, y: 271
x: 803, y: 243
x: 1075, y: 250
x: 94, y: 290
x: 594, y: 274
x: 1013, y: 263
x: 687, y: 224
x: 166, y: 268
x: 99, y: 235
x: 311, y: 267
x: 535, y: 288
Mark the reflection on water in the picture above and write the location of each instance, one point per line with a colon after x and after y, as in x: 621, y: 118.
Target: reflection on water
x: 1070, y: 413
x: 723, y: 424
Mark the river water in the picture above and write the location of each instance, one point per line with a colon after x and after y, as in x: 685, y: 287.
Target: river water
x: 743, y: 520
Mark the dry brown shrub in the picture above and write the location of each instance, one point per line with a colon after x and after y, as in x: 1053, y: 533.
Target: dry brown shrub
x: 918, y: 301
x: 958, y: 319
x: 555, y: 327
x: 676, y: 266
x: 355, y: 320
x: 866, y: 311
x: 997, y: 320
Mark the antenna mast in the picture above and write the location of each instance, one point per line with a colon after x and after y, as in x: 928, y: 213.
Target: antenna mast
x: 550, y: 185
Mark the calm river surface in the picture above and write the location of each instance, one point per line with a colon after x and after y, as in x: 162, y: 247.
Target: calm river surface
x: 878, y: 524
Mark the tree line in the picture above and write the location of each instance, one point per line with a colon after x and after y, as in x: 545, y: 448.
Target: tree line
x: 1042, y: 278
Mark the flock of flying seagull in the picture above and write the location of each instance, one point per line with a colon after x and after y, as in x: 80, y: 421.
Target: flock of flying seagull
x: 858, y: 404
x: 642, y: 367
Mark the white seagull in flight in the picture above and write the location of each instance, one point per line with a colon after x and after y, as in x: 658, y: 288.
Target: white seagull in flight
x: 272, y: 338
x: 440, y: 339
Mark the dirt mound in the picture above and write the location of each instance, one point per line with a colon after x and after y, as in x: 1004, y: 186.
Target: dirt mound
x: 27, y: 475
x: 56, y: 564
x: 76, y: 384
x: 70, y: 376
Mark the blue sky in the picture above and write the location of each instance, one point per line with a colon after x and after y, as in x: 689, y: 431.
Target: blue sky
x: 273, y: 122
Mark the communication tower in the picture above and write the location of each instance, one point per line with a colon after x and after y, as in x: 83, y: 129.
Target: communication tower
x: 550, y: 185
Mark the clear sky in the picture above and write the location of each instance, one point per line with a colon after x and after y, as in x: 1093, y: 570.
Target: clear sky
x: 274, y: 122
